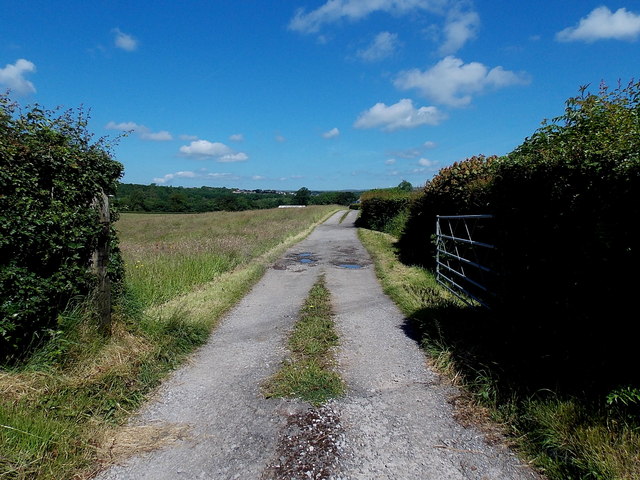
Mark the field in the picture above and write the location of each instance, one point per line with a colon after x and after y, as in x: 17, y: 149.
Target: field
x: 170, y: 254
x: 59, y: 413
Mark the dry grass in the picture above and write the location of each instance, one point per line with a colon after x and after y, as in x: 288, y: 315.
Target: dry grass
x: 118, y: 444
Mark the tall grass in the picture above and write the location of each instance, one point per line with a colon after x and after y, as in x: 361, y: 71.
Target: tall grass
x: 59, y: 410
x: 566, y: 435
x: 170, y: 254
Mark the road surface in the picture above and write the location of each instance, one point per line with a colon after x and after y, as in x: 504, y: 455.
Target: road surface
x: 395, y: 422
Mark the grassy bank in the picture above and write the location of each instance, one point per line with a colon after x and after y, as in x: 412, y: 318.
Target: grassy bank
x: 60, y: 412
x: 308, y: 373
x: 565, y: 434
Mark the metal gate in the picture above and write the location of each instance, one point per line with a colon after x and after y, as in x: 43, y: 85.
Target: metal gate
x: 464, y: 257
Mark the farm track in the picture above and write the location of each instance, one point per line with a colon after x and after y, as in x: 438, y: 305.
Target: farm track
x: 395, y: 421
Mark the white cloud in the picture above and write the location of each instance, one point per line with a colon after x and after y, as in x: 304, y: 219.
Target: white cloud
x: 205, y: 148
x: 12, y: 76
x: 459, y: 28
x: 280, y: 138
x: 452, y: 82
x: 603, y: 24
x: 384, y: 45
x: 237, y: 137
x: 124, y: 126
x: 429, y: 144
x: 219, y: 151
x: 234, y: 157
x: 142, y: 131
x: 399, y: 115
x: 124, y: 41
x: 156, y: 136
x: 334, y: 132
x: 425, y: 162
x: 336, y: 10
x: 258, y: 177
x: 390, y: 161
x: 189, y: 174
x: 170, y: 176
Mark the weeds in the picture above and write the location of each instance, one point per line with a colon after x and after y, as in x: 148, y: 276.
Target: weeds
x: 308, y: 373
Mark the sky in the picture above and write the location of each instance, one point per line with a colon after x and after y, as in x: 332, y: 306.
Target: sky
x: 327, y: 94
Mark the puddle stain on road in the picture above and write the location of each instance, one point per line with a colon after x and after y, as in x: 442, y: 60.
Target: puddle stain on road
x: 293, y: 259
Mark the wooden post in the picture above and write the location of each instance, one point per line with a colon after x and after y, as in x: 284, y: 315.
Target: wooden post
x: 100, y: 262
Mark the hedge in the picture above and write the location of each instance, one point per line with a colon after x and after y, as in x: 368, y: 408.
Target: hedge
x: 384, y: 209
x: 50, y: 172
x: 565, y: 205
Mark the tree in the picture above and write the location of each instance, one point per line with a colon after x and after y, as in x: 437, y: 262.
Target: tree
x: 405, y: 186
x: 302, y: 196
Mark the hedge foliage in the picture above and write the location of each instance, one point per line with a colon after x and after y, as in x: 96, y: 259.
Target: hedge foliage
x: 385, y: 209
x: 566, y: 203
x: 50, y: 172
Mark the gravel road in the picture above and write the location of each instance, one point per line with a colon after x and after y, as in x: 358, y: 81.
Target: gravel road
x: 395, y: 422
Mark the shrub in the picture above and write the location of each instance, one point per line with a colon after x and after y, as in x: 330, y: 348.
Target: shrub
x: 380, y: 208
x: 459, y: 189
x: 50, y: 172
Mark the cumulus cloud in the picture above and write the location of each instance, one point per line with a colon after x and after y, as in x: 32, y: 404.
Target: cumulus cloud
x: 205, y: 148
x: 189, y: 174
x: 383, y: 45
x: 237, y: 137
x: 399, y: 115
x: 334, y: 132
x: 12, y: 76
x: 459, y: 28
x: 390, y: 161
x: 336, y: 10
x: 452, y: 82
x: 603, y: 24
x: 142, y: 131
x: 124, y: 41
x: 219, y: 151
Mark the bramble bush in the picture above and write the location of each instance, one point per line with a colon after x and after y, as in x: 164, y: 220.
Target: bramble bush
x: 50, y: 172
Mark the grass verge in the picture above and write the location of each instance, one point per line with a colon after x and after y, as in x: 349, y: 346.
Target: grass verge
x: 564, y: 435
x: 59, y: 410
x: 308, y: 373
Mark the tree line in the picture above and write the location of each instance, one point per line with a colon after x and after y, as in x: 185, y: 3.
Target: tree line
x: 157, y: 198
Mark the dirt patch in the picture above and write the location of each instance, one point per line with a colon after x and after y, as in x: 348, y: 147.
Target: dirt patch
x: 309, y: 446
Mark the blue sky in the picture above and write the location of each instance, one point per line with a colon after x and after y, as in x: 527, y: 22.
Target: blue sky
x: 328, y: 94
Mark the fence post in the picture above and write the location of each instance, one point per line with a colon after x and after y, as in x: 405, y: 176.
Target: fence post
x: 100, y: 262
